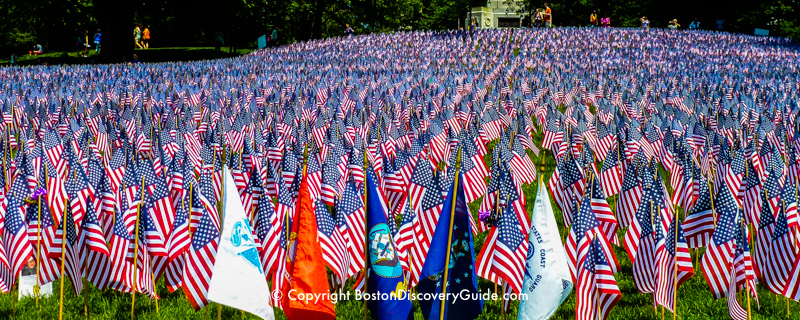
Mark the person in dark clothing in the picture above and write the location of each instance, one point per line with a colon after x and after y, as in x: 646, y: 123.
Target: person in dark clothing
x: 348, y: 31
x: 97, y: 37
x: 218, y: 41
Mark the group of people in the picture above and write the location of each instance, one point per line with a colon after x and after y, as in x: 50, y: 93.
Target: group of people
x: 604, y: 22
x: 84, y: 44
x: 543, y: 17
x: 141, y: 37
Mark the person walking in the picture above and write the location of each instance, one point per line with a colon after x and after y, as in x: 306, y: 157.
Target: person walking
x: 348, y: 31
x: 695, y: 24
x: 645, y: 23
x: 146, y: 37
x: 274, y: 37
x: 137, y: 35
x: 84, y: 43
x: 593, y: 19
x: 548, y: 16
x: 605, y: 22
x: 97, y: 37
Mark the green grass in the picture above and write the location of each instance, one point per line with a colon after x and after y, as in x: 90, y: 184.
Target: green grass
x: 149, y: 55
x: 694, y: 298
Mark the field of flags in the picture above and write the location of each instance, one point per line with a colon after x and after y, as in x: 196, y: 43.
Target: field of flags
x: 652, y: 169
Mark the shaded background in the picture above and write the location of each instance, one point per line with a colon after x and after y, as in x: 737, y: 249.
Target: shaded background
x: 56, y: 24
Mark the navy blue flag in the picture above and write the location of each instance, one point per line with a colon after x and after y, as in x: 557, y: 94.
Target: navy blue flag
x: 461, y: 278
x: 385, y: 284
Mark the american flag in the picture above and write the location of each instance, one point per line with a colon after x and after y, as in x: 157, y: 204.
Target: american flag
x: 734, y: 308
x: 330, y: 180
x: 603, y: 211
x: 314, y: 174
x: 686, y: 187
x: 207, y: 196
x: 778, y: 253
x: 521, y: 163
x: 581, y: 235
x: 743, y: 275
x: 116, y: 169
x: 426, y: 201
x: 180, y: 239
x: 554, y: 185
x: 752, y: 196
x: 77, y: 188
x: 789, y: 201
x: 734, y: 177
x: 42, y: 224
x: 407, y: 245
x: 597, y: 291
x: 160, y: 206
x: 643, y: 235
x: 718, y: 258
x: 673, y: 259
x: 265, y: 226
x: 351, y: 207
x: 334, y: 246
x: 510, y: 250
x: 573, y: 181
x: 72, y: 259
x: 200, y: 260
x: 96, y: 253
x: 251, y: 194
x: 772, y: 192
x: 699, y: 222
x: 121, y: 254
x: 611, y: 173
x: 630, y: 197
x: 56, y: 191
x: 53, y: 148
x: 284, y: 215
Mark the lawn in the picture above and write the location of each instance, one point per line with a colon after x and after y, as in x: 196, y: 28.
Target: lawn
x: 149, y: 55
x: 694, y: 298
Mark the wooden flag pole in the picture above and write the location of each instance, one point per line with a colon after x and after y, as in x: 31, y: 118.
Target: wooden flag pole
x: 85, y: 299
x: 63, y: 252
x: 5, y: 170
x: 36, y: 288
x: 221, y: 207
x: 675, y: 283
x: 711, y: 197
x: 449, y: 237
x: 153, y: 276
x: 747, y: 293
x: 136, y: 253
x: 652, y: 222
x: 366, y: 234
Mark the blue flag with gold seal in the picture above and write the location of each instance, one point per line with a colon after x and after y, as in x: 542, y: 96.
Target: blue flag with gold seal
x: 385, y: 284
x: 463, y: 300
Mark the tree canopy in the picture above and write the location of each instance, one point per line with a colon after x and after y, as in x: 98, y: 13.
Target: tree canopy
x: 56, y: 24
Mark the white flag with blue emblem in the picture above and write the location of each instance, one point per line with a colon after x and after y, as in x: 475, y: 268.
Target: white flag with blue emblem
x: 547, y: 280
x: 237, y: 280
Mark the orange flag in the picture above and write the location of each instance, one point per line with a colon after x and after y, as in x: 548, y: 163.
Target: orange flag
x: 305, y: 264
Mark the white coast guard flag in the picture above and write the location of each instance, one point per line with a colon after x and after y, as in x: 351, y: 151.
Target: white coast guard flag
x: 547, y: 280
x: 237, y: 280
